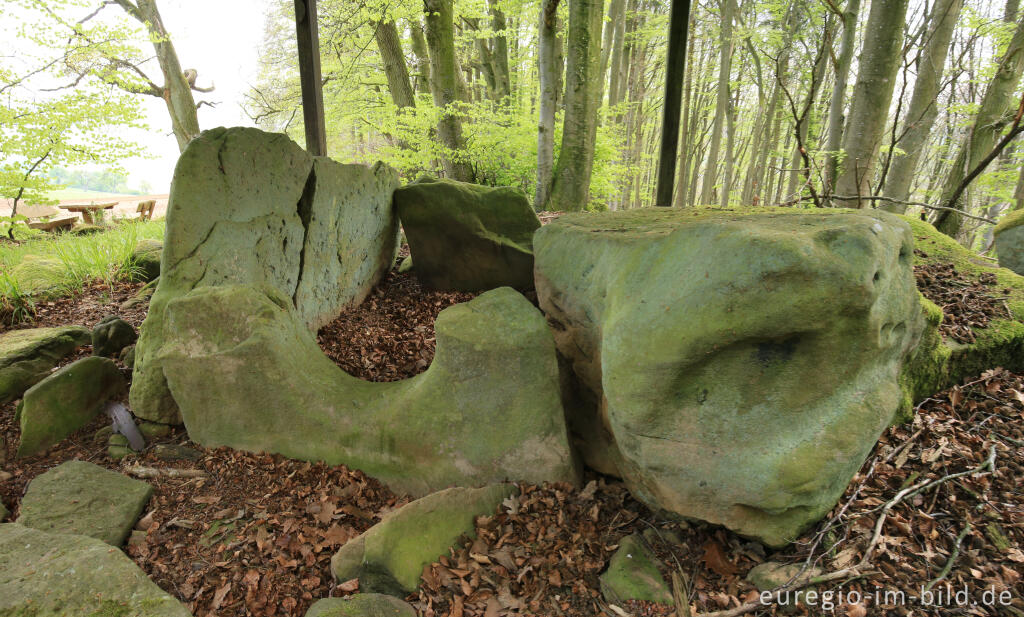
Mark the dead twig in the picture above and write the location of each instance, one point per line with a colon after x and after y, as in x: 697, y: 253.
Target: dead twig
x: 154, y: 472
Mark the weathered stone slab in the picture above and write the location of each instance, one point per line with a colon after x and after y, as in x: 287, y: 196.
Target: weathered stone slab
x: 66, y: 401
x: 632, y: 575
x: 110, y: 335
x: 390, y: 556
x: 27, y: 356
x: 57, y: 575
x: 361, y: 605
x: 77, y: 497
x: 146, y: 258
x: 253, y: 208
x: 468, y: 237
x: 732, y: 367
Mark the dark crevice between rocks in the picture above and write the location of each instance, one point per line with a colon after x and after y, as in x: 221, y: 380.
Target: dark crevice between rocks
x: 305, y: 210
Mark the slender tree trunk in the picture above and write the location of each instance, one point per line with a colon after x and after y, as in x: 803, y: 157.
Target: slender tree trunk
x: 571, y: 186
x: 499, y: 53
x: 616, y: 11
x: 997, y: 109
x: 682, y: 173
x: 397, y: 73
x: 615, y: 79
x: 851, y: 13
x: 419, y: 50
x: 876, y: 78
x: 921, y: 114
x: 797, y: 175
x: 445, y: 86
x: 177, y: 92
x: 722, y: 105
x: 548, y: 73
x: 1018, y: 193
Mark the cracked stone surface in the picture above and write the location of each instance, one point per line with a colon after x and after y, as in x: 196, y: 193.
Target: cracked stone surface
x: 263, y: 244
x: 692, y: 336
x: 249, y: 207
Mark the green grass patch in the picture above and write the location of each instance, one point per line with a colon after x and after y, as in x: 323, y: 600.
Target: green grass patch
x: 43, y: 265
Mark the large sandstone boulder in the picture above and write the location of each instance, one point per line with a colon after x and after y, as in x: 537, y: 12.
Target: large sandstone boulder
x: 85, y: 499
x: 253, y: 208
x: 246, y: 373
x: 389, y: 557
x: 468, y: 237
x: 1009, y: 236
x: 66, y: 401
x: 731, y: 367
x: 57, y: 575
x: 27, y: 356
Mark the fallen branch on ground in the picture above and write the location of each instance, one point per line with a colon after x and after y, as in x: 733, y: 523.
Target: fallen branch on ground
x: 154, y: 472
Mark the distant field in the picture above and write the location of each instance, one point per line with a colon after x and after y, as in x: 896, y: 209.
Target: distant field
x: 69, y: 193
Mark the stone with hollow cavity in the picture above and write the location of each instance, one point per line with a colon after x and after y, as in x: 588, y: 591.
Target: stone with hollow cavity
x: 733, y: 367
x: 253, y: 208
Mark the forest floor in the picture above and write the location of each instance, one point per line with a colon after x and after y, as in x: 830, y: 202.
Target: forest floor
x: 938, y: 504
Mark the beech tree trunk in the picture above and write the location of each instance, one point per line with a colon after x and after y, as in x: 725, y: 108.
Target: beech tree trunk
x: 419, y: 50
x: 549, y: 69
x: 445, y: 88
x: 571, y: 186
x: 722, y: 104
x: 397, y: 73
x: 998, y: 106
x: 876, y: 78
x: 921, y: 114
x: 838, y: 103
x: 176, y: 91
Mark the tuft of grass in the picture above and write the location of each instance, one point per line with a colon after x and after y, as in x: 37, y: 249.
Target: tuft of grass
x: 57, y: 265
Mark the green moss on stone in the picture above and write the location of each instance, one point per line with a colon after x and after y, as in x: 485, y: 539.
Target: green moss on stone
x: 633, y: 575
x: 1009, y: 221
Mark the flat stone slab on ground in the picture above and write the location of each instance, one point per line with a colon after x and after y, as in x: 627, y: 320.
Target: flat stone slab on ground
x: 361, y: 605
x: 57, y: 575
x: 27, y: 356
x: 632, y: 575
x: 81, y: 498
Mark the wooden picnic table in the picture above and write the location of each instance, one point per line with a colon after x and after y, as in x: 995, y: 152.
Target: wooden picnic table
x: 87, y: 210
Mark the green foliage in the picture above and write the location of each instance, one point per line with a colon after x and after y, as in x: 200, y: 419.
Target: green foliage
x: 50, y: 265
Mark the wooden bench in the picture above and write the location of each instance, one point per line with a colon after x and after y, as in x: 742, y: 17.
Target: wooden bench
x: 42, y: 217
x: 145, y: 209
x: 61, y: 224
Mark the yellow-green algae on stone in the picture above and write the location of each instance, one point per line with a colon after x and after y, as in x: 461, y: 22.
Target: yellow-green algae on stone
x: 390, y: 556
x: 938, y: 363
x: 735, y: 367
x: 250, y: 207
x: 27, y: 356
x: 58, y: 575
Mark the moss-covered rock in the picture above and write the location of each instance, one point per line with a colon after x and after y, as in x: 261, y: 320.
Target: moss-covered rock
x: 735, y: 367
x: 938, y: 363
x: 390, y: 556
x: 468, y: 237
x: 1009, y: 237
x: 58, y: 575
x: 247, y: 373
x: 361, y: 605
x: 27, y: 356
x: 253, y: 208
x: 85, y: 499
x: 38, y: 274
x: 633, y: 575
x: 146, y: 259
x: 66, y: 401
x: 110, y: 335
